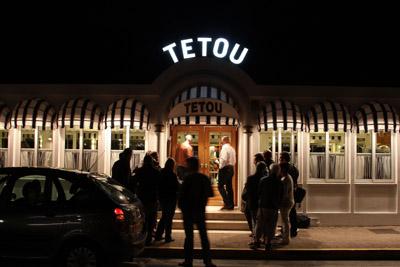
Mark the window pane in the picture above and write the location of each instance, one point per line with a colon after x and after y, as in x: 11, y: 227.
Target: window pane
x: 28, y: 191
x: 3, y: 139
x: 28, y: 139
x: 266, y: 142
x: 364, y: 156
x: 136, y: 139
x: 72, y: 139
x: 45, y: 139
x: 336, y: 155
x: 90, y: 140
x: 383, y: 155
x: 317, y: 155
x: 117, y: 139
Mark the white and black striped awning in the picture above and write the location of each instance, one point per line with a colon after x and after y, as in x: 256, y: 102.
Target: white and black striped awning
x: 376, y: 116
x: 33, y: 113
x: 204, y: 120
x: 127, y: 112
x: 4, y: 116
x: 81, y: 113
x: 280, y: 114
x: 329, y: 116
x: 204, y: 92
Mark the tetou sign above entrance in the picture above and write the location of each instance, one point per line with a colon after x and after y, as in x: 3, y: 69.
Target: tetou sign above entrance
x: 220, y: 49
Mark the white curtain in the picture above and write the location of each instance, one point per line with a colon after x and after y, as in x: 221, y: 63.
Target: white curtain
x: 114, y: 156
x: 89, y: 160
x: 3, y: 158
x: 336, y: 166
x: 383, y: 166
x: 317, y: 165
x: 364, y: 166
x: 45, y: 158
x: 137, y: 159
x: 27, y: 157
x: 71, y: 159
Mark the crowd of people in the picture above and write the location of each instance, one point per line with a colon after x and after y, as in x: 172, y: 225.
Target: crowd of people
x: 268, y: 192
x: 160, y: 187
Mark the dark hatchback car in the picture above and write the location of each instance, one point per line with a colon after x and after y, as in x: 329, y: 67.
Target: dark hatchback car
x: 70, y: 217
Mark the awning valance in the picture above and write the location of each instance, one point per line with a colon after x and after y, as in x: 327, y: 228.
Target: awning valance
x: 205, y: 105
x: 127, y: 112
x: 32, y: 113
x: 280, y: 114
x: 376, y: 116
x: 81, y: 113
x: 329, y: 116
x: 4, y: 116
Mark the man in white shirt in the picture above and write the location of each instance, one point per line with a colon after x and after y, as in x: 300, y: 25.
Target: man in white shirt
x: 227, y: 161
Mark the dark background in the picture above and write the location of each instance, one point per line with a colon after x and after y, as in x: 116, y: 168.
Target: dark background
x: 290, y: 42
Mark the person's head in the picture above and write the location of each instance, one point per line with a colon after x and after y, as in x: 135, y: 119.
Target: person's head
x: 261, y: 167
x: 284, y: 169
x: 192, y: 164
x: 126, y: 154
x: 148, y: 161
x: 284, y: 158
x: 170, y: 164
x: 31, y: 191
x: 258, y: 157
x: 275, y: 169
x: 154, y: 155
x: 267, y: 155
x: 225, y: 140
x: 189, y: 138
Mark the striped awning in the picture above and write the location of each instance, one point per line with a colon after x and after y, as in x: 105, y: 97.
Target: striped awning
x: 33, y: 113
x: 203, y: 93
x: 81, y: 113
x: 280, y: 114
x: 4, y: 116
x: 127, y: 112
x: 204, y: 120
x: 329, y: 116
x: 376, y: 116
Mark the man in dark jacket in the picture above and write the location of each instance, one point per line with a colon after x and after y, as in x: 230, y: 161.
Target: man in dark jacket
x: 294, y: 173
x: 270, y: 197
x: 147, y: 180
x: 195, y: 191
x: 121, y: 170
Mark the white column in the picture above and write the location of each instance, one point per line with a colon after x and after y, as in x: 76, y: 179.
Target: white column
x: 101, y: 159
x: 279, y: 142
x: 326, y: 155
x: 80, y: 165
x: 373, y: 155
x: 36, y: 147
x: 107, y: 151
x: 274, y: 146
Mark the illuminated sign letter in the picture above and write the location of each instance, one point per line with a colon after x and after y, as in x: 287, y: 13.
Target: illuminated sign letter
x: 204, y: 41
x: 186, y: 48
x: 170, y: 49
x: 225, y: 46
x: 241, y: 57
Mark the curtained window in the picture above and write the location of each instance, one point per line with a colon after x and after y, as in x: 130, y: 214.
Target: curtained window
x: 45, y: 148
x: 373, y: 162
x: 280, y: 141
x: 3, y: 148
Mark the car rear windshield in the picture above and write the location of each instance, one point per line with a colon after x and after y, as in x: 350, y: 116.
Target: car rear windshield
x: 117, y: 192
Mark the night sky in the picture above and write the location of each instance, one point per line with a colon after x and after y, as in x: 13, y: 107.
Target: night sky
x: 317, y: 42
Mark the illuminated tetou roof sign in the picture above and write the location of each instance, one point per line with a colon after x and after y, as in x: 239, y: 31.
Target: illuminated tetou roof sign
x: 220, y: 49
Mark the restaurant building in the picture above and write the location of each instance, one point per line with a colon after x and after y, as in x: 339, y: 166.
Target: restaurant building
x: 344, y: 140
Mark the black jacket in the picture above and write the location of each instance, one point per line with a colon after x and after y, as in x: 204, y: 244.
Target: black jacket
x: 168, y: 187
x: 121, y: 172
x: 147, y: 179
x: 270, y: 192
x: 195, y: 191
x: 251, y: 189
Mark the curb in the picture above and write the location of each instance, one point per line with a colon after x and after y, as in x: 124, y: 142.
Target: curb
x: 281, y: 254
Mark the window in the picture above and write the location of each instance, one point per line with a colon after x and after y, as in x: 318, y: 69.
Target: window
x: 45, y: 145
x: 373, y: 161
x: 118, y: 137
x: 72, y: 139
x: 3, y: 148
x: 327, y: 155
x: 280, y: 141
x: 28, y: 138
x: 90, y: 140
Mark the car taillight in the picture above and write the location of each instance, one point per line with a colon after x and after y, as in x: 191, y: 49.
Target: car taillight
x: 119, y: 214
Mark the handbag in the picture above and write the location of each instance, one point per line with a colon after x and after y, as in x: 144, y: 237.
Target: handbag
x: 299, y: 194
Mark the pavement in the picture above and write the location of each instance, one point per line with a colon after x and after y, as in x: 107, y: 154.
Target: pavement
x: 316, y: 243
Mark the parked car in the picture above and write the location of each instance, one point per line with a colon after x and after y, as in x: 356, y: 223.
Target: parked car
x: 70, y: 217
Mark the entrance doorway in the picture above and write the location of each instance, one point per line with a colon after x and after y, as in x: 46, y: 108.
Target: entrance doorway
x: 206, y: 145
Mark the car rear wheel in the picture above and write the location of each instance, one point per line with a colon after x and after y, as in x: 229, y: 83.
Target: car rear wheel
x: 81, y: 255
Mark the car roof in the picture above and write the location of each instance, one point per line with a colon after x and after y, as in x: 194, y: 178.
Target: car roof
x: 43, y: 170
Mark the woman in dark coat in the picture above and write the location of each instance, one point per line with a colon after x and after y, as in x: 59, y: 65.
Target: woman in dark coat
x: 168, y: 190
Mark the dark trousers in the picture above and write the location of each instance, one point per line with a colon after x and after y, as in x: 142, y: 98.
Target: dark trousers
x: 165, y: 224
x: 293, y: 220
x: 225, y: 185
x: 251, y: 217
x: 150, y: 211
x: 189, y: 219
